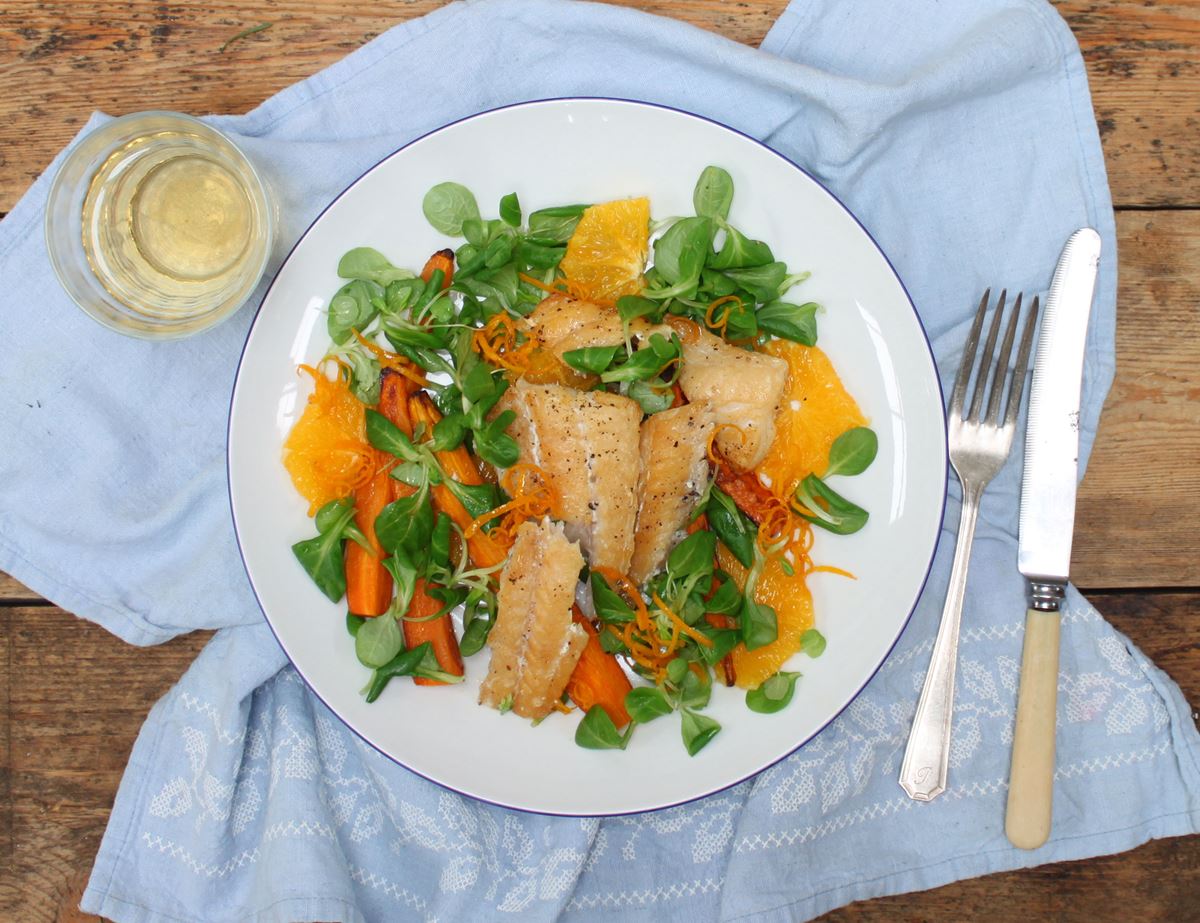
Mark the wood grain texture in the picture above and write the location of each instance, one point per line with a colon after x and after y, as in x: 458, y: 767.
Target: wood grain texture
x: 122, y: 56
x: 12, y: 592
x: 1166, y: 626
x: 74, y: 699
x: 1144, y: 71
x: 1140, y: 501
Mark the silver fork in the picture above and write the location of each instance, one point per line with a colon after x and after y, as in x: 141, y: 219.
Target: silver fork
x: 979, y: 444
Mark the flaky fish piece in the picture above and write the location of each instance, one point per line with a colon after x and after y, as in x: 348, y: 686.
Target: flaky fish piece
x: 535, y: 643
x: 674, y: 450
x: 743, y: 389
x: 587, y: 442
x: 561, y: 323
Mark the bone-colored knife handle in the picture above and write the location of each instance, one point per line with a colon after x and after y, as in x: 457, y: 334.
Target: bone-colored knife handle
x: 1031, y: 781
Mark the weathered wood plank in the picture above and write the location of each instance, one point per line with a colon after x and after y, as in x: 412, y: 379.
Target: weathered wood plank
x: 1138, y: 508
x: 12, y: 592
x: 1086, y: 890
x: 1142, y: 57
x: 78, y: 697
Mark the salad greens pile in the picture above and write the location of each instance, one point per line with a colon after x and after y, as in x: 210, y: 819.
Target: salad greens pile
x: 704, y: 269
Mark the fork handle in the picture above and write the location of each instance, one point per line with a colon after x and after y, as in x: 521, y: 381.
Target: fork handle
x: 1031, y: 781
x: 923, y: 773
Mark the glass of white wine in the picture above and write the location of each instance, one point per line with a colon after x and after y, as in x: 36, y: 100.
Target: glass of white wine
x: 158, y: 226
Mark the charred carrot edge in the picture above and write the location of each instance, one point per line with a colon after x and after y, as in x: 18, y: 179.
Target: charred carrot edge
x: 744, y: 489
x: 394, y: 391
x: 458, y: 464
x: 368, y: 584
x: 597, y: 678
x: 438, y: 632
x: 443, y: 260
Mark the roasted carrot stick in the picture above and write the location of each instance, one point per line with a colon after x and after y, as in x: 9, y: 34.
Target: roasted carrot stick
x: 443, y: 260
x: 597, y: 678
x: 395, y: 391
x: 438, y: 632
x: 485, y: 551
x: 368, y: 584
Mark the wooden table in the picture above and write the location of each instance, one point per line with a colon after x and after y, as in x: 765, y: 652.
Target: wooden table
x: 69, y: 721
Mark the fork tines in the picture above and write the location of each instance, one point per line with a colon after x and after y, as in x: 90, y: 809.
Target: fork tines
x: 990, y: 376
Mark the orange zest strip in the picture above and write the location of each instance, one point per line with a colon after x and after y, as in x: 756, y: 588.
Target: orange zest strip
x: 569, y: 287
x: 393, y: 361
x: 525, y: 479
x: 582, y: 293
x: 829, y: 569
x: 777, y: 526
x: 712, y: 321
x: 496, y: 341
x: 642, y: 654
x: 538, y: 283
x: 533, y: 496
x: 680, y: 624
x: 711, y: 451
x: 480, y: 521
x: 629, y: 592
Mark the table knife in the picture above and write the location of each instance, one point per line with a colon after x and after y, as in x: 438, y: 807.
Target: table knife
x: 1046, y: 523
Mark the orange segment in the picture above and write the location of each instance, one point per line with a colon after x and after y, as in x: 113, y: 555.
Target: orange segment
x: 792, y: 602
x: 545, y: 369
x: 606, y: 255
x: 326, y: 453
x: 814, y: 411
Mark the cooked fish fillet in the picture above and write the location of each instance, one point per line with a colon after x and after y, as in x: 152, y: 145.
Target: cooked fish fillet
x: 588, y: 443
x: 535, y: 643
x: 561, y: 323
x: 674, y: 451
x: 743, y: 388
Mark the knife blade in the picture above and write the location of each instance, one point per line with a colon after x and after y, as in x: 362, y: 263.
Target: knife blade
x: 1047, y: 521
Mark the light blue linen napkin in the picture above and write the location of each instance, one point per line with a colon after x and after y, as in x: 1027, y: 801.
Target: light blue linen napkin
x: 962, y: 135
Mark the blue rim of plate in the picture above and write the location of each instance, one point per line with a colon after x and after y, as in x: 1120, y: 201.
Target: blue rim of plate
x: 874, y: 243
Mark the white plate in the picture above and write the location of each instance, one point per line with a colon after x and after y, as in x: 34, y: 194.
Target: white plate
x: 591, y: 150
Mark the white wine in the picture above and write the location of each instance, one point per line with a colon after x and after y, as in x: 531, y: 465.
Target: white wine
x: 172, y: 224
